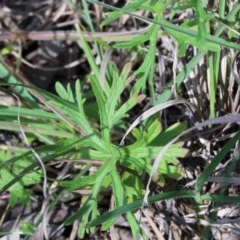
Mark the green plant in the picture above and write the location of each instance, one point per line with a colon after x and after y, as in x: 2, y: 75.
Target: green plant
x: 96, y: 143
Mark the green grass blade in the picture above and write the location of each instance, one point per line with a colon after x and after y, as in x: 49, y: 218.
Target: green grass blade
x: 88, y: 53
x: 160, y: 197
x: 215, y: 162
x: 137, y: 204
x: 212, y: 83
x: 25, y: 112
x: 222, y: 199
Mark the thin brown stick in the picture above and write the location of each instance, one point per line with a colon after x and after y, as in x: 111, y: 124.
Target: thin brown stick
x: 71, y: 35
x: 4, y: 214
x: 158, y: 234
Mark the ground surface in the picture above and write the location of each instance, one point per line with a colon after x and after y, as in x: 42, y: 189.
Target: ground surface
x: 45, y: 62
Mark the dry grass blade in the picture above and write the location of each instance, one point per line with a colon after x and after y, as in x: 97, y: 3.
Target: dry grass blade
x: 149, y: 113
x: 43, y: 225
x: 73, y: 35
